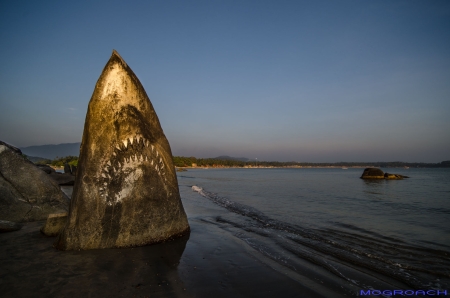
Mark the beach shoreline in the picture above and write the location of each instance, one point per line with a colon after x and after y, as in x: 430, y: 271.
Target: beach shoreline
x: 209, y: 262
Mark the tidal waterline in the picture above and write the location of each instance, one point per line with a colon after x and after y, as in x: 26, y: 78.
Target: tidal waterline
x: 395, y: 229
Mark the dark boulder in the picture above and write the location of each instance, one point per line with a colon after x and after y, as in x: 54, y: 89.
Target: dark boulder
x: 372, y: 173
x: 67, y: 169
x: 26, y: 192
x: 9, y: 226
x: 73, y: 170
x: 70, y: 169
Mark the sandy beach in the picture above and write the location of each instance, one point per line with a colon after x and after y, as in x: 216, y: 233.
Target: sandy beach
x: 208, y: 263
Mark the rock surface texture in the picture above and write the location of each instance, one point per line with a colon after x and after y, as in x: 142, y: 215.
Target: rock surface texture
x: 54, y: 224
x: 394, y: 176
x: 375, y: 173
x: 9, y: 226
x: 26, y: 192
x: 372, y: 173
x: 126, y: 189
x: 60, y: 178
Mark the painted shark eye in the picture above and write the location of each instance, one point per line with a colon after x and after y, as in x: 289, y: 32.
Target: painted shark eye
x: 126, y: 166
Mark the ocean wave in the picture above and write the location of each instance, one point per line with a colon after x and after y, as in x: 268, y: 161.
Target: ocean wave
x: 344, y: 254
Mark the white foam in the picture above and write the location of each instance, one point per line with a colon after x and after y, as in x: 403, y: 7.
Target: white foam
x: 197, y: 189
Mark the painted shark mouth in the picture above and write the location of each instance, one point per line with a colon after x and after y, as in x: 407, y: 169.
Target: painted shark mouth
x: 134, y: 160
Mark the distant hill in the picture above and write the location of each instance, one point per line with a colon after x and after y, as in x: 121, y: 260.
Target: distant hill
x: 226, y: 157
x: 52, y: 151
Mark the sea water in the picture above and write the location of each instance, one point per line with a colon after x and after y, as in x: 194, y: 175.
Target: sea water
x: 395, y: 231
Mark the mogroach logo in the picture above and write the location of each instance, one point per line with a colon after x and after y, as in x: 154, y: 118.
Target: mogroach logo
x: 402, y: 292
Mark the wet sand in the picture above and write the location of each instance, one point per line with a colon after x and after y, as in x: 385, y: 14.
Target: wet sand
x: 208, y: 263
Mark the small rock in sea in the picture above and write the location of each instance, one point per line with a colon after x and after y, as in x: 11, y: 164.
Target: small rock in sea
x: 375, y: 173
x: 394, y: 176
x: 9, y: 226
x: 372, y: 173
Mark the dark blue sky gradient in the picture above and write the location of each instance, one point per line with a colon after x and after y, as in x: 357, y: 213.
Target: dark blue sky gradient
x: 318, y: 81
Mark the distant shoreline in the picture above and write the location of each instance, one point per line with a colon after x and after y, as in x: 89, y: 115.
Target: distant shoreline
x: 305, y: 167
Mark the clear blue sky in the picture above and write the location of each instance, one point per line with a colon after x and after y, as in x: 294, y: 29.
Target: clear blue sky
x: 318, y: 81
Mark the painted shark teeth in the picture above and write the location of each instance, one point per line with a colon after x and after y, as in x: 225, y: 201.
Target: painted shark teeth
x: 126, y: 153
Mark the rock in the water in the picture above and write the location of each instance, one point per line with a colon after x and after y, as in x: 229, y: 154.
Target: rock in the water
x: 126, y: 189
x: 9, y: 226
x: 26, y: 192
x: 394, y: 176
x: 54, y: 224
x: 375, y: 173
x: 372, y: 173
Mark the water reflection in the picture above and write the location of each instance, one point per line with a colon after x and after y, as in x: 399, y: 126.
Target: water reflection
x: 373, y: 187
x: 149, y: 269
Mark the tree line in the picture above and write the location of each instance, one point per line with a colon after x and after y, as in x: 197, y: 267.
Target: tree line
x: 182, y: 161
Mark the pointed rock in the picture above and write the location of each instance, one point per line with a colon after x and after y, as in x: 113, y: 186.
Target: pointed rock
x: 136, y: 205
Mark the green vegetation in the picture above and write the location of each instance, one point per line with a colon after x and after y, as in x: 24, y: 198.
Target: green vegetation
x: 182, y: 161
x: 60, y: 161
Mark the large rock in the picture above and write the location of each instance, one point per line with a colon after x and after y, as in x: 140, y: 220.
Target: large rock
x: 126, y: 189
x: 372, y: 173
x: 54, y: 224
x: 26, y: 192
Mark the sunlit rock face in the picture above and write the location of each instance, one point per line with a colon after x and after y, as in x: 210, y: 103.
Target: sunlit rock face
x: 126, y: 190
